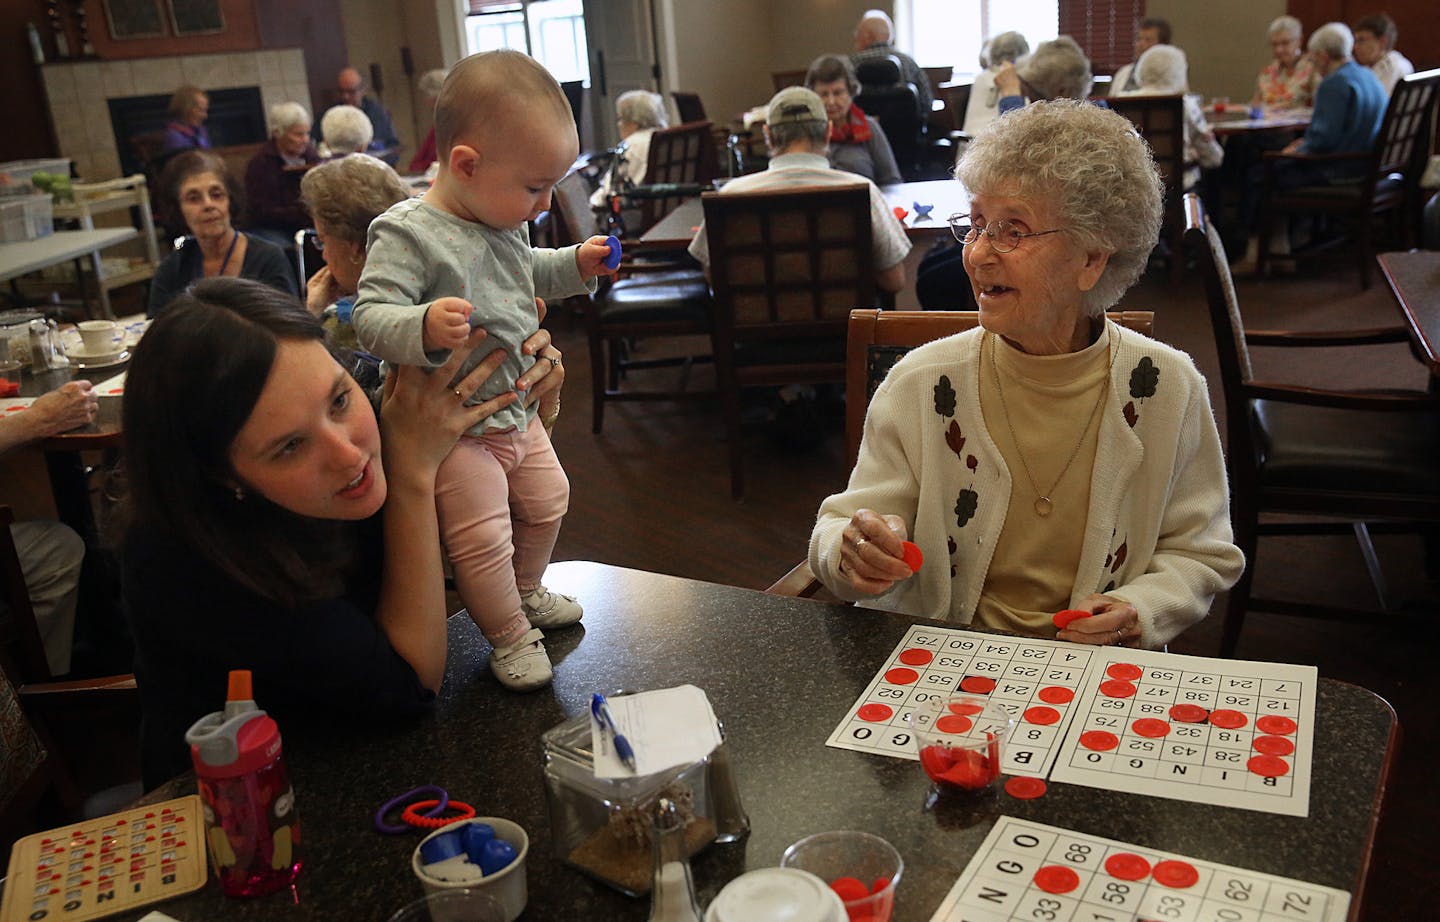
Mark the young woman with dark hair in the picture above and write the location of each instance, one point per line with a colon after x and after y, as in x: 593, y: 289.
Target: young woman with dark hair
x: 265, y: 528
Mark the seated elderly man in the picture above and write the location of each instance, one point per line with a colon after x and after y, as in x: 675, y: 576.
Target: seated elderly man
x: 1375, y: 38
x: 796, y: 130
x: 873, y: 37
x: 1048, y: 459
x: 1151, y: 31
x: 346, y: 130
x: 350, y: 91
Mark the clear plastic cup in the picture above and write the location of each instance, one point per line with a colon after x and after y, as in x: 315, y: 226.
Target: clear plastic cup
x: 960, y: 738
x: 466, y: 905
x: 862, y: 868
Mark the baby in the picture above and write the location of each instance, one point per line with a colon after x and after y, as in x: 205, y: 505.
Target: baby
x: 461, y: 256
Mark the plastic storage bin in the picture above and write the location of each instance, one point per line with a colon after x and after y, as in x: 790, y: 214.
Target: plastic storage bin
x: 601, y: 826
x: 15, y: 175
x: 26, y: 217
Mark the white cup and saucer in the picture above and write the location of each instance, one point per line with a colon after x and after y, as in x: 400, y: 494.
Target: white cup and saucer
x: 102, y: 342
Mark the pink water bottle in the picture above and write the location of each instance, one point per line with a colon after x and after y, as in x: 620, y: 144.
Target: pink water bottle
x: 250, y: 821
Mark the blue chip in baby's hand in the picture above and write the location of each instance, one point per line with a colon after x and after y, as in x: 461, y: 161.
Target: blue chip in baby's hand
x: 921, y: 211
x: 496, y: 855
x: 613, y: 260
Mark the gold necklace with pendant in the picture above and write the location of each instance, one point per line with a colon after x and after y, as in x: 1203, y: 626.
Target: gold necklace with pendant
x: 1043, y: 504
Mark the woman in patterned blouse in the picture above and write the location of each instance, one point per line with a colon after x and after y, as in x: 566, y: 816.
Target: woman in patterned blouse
x: 1289, y: 81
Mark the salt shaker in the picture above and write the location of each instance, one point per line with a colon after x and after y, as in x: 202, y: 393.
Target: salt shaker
x: 672, y: 893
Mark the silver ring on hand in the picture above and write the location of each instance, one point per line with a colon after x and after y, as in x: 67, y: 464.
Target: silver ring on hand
x: 1119, y: 637
x: 859, y: 543
x: 554, y: 362
x: 458, y: 394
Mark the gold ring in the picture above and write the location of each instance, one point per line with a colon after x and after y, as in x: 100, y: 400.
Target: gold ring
x: 458, y: 394
x: 859, y: 543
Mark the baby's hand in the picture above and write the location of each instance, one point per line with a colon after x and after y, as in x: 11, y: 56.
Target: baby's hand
x: 591, y: 256
x: 447, y: 324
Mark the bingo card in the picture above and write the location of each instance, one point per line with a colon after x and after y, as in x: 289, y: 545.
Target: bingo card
x: 107, y: 865
x: 1027, y: 871
x: 1035, y: 681
x: 1213, y: 731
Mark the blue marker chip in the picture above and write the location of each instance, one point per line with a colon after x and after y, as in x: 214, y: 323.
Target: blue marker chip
x: 613, y: 260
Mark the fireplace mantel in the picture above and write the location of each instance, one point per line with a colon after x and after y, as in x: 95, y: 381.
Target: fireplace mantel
x: 78, y: 94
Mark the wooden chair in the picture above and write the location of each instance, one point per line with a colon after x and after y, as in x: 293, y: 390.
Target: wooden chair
x: 1389, y: 184
x: 688, y: 106
x: 683, y: 155
x: 786, y: 269
x: 655, y: 301
x: 875, y: 341
x: 1161, y: 122
x: 1338, y: 458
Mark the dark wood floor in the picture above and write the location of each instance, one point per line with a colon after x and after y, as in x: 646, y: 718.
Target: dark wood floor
x: 652, y: 492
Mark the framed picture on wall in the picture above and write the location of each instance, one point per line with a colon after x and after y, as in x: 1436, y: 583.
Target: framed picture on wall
x: 196, y: 17
x: 134, y: 18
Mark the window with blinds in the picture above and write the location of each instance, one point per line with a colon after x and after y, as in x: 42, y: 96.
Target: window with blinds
x: 1104, y: 28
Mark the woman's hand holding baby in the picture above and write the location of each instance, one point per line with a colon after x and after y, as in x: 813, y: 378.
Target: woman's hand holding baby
x: 447, y: 324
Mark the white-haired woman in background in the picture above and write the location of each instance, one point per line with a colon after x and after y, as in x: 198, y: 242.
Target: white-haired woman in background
x: 346, y: 130
x: 639, y: 114
x: 984, y: 105
x: 272, y: 178
x: 1057, y: 69
x: 430, y: 83
x: 1048, y: 459
x: 1162, y: 71
x: 1289, y: 81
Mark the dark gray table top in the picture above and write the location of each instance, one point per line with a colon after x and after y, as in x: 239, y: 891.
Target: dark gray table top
x: 780, y: 673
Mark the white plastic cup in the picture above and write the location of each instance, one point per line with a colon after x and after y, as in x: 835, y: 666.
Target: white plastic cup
x: 776, y: 895
x: 467, y: 905
x: 98, y: 336
x: 507, y: 886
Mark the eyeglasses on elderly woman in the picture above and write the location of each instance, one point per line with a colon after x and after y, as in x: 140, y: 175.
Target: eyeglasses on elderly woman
x: 1005, y: 235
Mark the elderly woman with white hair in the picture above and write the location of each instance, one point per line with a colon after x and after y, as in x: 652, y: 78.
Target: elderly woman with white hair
x: 1163, y: 71
x: 1049, y: 459
x: 1289, y: 81
x: 1057, y: 69
x: 984, y: 104
x: 639, y: 114
x: 272, y: 178
x: 346, y: 130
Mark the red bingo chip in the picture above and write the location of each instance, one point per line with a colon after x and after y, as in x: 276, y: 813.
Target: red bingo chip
x: 1276, y: 725
x: 914, y: 559
x: 849, y: 888
x: 1189, y: 713
x: 1126, y: 866
x: 1062, y: 619
x: 1054, y: 878
x: 1024, y: 788
x: 1228, y: 720
x: 1177, y: 875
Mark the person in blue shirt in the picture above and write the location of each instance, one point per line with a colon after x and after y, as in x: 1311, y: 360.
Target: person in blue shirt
x: 350, y: 91
x: 1349, y: 107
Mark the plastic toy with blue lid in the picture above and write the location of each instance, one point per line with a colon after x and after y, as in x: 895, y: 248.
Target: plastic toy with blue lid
x: 251, y: 824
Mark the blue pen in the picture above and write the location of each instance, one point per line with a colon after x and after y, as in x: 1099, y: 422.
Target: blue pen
x: 601, y: 712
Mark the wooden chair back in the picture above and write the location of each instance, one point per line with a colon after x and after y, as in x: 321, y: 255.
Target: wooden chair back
x: 572, y: 219
x: 683, y: 154
x: 876, y: 340
x: 957, y: 99
x: 688, y: 106
x: 786, y: 269
x: 780, y: 79
x: 1161, y: 122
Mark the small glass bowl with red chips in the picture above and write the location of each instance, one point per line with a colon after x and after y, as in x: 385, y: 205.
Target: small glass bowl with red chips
x: 862, y: 868
x: 960, y: 738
